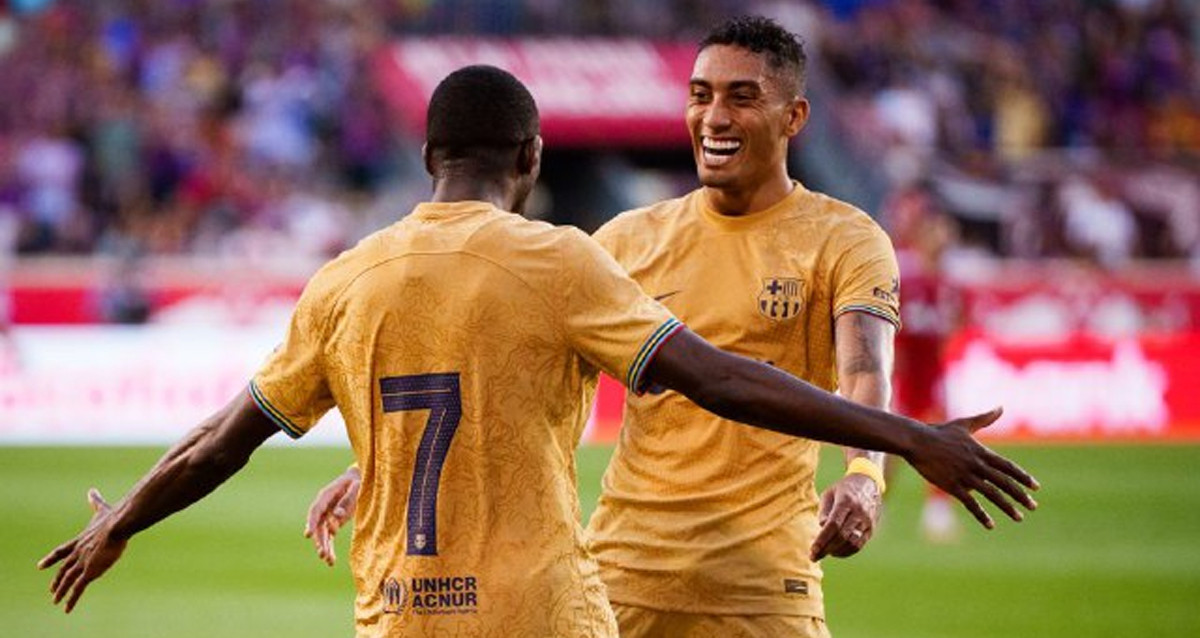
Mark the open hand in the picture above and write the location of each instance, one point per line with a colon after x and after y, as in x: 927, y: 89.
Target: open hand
x: 953, y: 460
x: 85, y: 557
x: 333, y: 508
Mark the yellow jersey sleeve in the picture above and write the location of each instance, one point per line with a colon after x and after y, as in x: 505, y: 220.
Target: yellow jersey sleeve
x: 867, y: 277
x: 608, y: 319
x: 291, y: 387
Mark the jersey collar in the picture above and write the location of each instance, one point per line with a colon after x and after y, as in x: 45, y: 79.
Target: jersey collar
x: 789, y: 204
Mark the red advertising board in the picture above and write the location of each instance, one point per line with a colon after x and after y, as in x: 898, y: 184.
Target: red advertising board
x: 591, y: 92
x: 1080, y: 387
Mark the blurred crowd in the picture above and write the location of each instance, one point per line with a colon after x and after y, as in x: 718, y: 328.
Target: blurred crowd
x: 186, y: 126
x: 1041, y: 127
x: 1045, y: 127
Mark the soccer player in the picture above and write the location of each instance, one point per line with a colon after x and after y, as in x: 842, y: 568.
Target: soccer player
x: 704, y: 527
x: 462, y: 345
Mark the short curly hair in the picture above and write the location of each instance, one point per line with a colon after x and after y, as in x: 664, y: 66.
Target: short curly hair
x: 783, y: 49
x: 480, y: 107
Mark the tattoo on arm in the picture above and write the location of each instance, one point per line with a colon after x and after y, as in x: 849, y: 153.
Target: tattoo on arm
x: 865, y: 349
x: 864, y: 345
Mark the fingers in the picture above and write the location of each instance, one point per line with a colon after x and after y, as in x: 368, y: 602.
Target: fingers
x: 62, y: 573
x: 980, y: 421
x: 335, y: 502
x: 324, y: 519
x: 853, y: 543
x: 77, y: 591
x: 323, y: 542
x: 99, y: 506
x: 843, y: 541
x: 1014, y: 491
x: 991, y: 493
x: 974, y: 508
x: 328, y: 547
x: 65, y: 579
x: 345, y: 506
x: 820, y: 546
x: 827, y: 501
x: 97, y: 502
x: 60, y: 552
x: 829, y: 532
x: 329, y: 512
x: 317, y: 512
x: 1013, y: 470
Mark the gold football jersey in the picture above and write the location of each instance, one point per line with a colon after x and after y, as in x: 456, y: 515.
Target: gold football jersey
x: 698, y: 514
x: 462, y: 346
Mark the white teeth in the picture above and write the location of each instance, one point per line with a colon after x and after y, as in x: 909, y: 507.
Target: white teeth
x: 721, y: 145
x: 719, y: 152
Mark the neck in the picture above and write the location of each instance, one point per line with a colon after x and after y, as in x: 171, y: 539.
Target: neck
x: 734, y: 201
x: 498, y: 191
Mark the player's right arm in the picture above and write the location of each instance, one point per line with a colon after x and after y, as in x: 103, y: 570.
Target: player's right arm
x: 211, y: 453
x: 747, y: 391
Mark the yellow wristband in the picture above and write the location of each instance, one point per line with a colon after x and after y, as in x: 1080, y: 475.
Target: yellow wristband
x: 868, y: 468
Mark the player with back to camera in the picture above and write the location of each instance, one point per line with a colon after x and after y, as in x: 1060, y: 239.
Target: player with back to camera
x: 462, y: 345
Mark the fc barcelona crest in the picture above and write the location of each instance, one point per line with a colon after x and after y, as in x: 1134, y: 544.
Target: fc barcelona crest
x: 781, y: 298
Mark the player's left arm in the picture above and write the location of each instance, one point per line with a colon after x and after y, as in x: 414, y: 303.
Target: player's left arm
x: 209, y: 454
x: 332, y: 508
x: 850, y: 507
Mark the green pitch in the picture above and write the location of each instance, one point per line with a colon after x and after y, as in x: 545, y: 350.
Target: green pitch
x: 1114, y: 551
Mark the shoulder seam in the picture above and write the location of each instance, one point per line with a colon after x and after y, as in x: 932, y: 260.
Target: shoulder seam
x: 345, y: 287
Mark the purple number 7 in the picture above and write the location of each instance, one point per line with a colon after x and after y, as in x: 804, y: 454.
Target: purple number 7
x: 438, y: 393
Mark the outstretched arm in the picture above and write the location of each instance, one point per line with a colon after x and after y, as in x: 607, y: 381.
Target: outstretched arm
x: 744, y: 390
x: 194, y: 467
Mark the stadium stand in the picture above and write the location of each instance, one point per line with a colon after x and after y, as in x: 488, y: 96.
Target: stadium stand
x: 1045, y: 128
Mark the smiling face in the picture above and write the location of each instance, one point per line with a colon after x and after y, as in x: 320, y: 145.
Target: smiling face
x: 741, y: 114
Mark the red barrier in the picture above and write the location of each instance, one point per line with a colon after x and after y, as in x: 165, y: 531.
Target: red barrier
x: 1035, y: 347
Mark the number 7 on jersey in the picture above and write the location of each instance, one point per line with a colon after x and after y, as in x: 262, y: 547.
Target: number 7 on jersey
x: 440, y: 394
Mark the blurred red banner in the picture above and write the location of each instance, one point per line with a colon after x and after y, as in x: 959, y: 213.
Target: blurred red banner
x: 607, y: 412
x: 1071, y: 354
x: 590, y: 92
x: 1053, y: 300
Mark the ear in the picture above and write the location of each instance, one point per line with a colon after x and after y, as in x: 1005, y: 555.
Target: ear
x: 428, y: 159
x: 797, y: 116
x: 529, y: 157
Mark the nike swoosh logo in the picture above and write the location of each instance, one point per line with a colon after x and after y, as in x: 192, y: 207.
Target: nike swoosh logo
x: 667, y: 295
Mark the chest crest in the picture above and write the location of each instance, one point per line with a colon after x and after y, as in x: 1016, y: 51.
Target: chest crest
x: 781, y: 298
